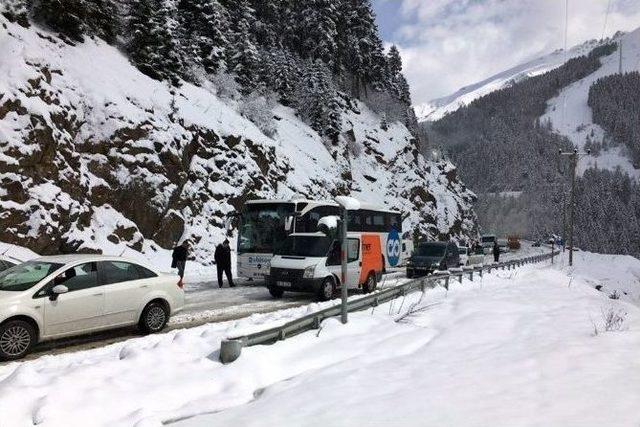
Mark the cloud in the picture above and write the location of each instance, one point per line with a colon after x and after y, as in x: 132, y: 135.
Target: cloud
x: 447, y: 44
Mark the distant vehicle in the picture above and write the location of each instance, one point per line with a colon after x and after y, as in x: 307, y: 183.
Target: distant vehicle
x: 6, y: 263
x: 431, y: 256
x: 310, y: 262
x: 463, y: 251
x: 59, y: 296
x: 487, y: 242
x: 264, y: 225
x: 407, y: 250
x: 503, y: 245
x: 513, y: 242
x: 537, y: 244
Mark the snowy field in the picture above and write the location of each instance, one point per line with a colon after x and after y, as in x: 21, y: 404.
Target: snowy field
x: 519, y: 348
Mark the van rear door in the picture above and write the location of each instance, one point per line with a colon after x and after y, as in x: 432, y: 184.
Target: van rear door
x: 371, y: 256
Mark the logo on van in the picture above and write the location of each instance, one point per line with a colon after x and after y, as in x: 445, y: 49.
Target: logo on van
x: 393, y: 247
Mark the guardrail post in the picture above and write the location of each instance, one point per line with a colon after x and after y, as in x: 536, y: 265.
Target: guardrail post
x: 230, y: 350
x: 446, y: 283
x: 480, y: 272
x: 460, y: 277
x: 471, y: 275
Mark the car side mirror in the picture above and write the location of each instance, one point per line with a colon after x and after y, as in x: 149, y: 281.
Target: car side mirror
x: 57, y: 291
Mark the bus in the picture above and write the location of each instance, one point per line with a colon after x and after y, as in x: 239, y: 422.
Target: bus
x: 264, y: 225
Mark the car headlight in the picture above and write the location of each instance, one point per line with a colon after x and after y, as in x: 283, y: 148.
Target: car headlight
x: 309, y: 272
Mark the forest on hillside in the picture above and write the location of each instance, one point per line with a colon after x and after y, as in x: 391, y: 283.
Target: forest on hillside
x: 312, y: 55
x: 500, y: 145
x: 615, y: 103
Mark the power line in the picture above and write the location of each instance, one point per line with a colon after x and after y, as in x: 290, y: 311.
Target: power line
x: 606, y: 19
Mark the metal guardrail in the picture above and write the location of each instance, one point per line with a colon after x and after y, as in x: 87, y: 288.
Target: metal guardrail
x: 231, y: 348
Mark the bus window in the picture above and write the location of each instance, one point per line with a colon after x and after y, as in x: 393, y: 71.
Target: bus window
x: 395, y: 222
x: 308, y: 223
x: 378, y: 222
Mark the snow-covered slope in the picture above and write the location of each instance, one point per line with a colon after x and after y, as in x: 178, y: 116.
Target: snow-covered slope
x: 434, y: 110
x: 570, y: 114
x: 97, y: 156
x: 514, y: 348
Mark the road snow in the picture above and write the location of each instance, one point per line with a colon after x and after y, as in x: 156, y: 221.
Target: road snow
x: 518, y: 348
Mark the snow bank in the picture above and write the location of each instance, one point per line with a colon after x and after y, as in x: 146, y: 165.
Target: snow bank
x: 517, y: 348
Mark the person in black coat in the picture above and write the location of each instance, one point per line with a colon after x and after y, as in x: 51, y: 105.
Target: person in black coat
x: 222, y: 257
x: 496, y: 251
x: 179, y: 258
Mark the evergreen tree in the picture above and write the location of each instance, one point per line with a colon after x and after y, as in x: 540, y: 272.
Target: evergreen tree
x: 242, y: 55
x: 63, y: 16
x: 152, y: 45
x: 316, y: 30
x: 202, y: 33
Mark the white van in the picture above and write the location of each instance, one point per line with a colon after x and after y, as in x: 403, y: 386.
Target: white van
x: 310, y: 262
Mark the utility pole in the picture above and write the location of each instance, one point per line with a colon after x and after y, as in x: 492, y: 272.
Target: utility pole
x: 574, y: 156
x: 344, y: 249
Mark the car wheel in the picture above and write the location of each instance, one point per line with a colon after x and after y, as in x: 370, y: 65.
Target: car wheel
x: 17, y: 337
x: 409, y: 274
x: 371, y: 284
x: 276, y: 292
x: 154, y: 317
x: 327, y: 289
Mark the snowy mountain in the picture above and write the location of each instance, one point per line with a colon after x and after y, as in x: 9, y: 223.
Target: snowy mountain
x: 97, y: 156
x: 437, y: 108
x: 570, y: 114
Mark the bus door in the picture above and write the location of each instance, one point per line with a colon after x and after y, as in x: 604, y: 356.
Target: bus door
x: 371, y: 259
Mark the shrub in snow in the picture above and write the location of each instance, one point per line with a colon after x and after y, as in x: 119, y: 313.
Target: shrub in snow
x: 226, y: 86
x: 258, y: 108
x: 613, y: 319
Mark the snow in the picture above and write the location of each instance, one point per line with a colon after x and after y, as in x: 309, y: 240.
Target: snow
x: 438, y: 108
x: 570, y: 114
x: 516, y: 348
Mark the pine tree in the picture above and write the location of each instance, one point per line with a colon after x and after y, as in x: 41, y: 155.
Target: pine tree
x: 63, y: 16
x: 317, y: 30
x: 202, y: 33
x: 242, y: 55
x: 152, y: 44
x: 15, y: 11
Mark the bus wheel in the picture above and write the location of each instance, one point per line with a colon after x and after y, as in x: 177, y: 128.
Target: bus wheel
x: 327, y: 289
x: 276, y: 292
x: 371, y: 284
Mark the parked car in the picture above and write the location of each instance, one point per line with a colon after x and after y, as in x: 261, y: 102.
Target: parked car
x: 59, y: 296
x: 503, y: 244
x: 6, y: 263
x: 431, y: 256
x: 513, y: 242
x: 537, y: 244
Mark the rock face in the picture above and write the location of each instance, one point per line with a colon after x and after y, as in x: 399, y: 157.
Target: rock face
x: 95, y: 156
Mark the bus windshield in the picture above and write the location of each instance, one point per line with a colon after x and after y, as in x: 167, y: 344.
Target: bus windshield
x: 307, y: 246
x: 262, y: 226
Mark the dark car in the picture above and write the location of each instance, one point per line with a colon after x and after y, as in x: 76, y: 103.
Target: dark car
x: 431, y: 256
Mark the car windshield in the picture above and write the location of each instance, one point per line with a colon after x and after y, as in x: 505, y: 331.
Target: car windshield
x: 488, y: 239
x: 26, y: 275
x: 307, y: 246
x: 430, y: 250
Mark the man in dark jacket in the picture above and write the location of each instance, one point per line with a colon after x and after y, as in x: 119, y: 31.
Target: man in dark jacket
x: 179, y: 258
x: 496, y: 251
x: 222, y: 258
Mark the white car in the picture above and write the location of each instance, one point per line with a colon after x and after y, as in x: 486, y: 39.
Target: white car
x: 59, y: 296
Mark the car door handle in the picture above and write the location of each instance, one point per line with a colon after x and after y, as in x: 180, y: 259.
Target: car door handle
x: 144, y: 286
x: 98, y: 295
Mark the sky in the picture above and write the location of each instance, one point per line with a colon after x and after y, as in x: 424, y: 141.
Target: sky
x: 448, y: 44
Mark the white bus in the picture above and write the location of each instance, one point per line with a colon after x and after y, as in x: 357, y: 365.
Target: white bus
x: 264, y: 225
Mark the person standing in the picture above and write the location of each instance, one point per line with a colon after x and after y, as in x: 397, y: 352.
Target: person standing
x: 496, y: 251
x: 179, y: 258
x: 222, y: 257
